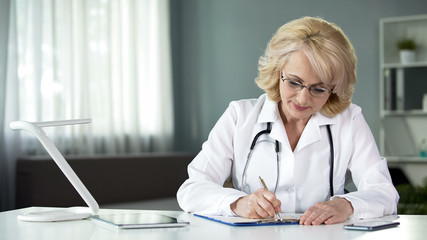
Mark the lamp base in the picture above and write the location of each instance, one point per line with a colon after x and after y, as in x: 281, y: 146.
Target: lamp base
x: 53, y: 216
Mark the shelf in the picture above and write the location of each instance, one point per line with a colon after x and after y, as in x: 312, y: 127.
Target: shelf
x: 392, y: 30
x: 406, y: 159
x: 403, y: 19
x: 402, y: 89
x: 407, y: 65
x: 404, y: 113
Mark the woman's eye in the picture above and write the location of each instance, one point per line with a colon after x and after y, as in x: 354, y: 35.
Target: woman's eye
x: 294, y: 83
x: 319, y: 90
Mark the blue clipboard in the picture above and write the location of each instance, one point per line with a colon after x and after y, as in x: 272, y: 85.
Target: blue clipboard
x: 237, y: 221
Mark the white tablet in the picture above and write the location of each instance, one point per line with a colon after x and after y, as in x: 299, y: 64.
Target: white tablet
x: 139, y: 220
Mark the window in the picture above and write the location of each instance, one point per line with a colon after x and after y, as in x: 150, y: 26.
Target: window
x: 108, y: 60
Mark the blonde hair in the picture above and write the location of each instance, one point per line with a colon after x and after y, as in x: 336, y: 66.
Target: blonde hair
x: 329, y: 51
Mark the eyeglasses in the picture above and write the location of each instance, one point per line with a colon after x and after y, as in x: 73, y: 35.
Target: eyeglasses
x: 315, y: 91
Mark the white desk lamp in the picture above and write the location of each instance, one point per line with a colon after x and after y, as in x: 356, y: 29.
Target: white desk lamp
x: 35, y: 128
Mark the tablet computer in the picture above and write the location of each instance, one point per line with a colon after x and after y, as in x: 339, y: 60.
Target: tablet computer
x: 138, y: 220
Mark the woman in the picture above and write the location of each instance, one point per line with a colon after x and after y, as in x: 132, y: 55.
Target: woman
x: 310, y: 137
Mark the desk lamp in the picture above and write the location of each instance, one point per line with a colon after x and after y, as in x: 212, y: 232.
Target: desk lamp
x: 73, y: 213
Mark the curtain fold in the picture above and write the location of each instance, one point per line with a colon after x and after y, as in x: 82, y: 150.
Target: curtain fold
x: 99, y: 59
x: 108, y: 60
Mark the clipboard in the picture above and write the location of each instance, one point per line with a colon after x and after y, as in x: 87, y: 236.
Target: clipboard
x: 239, y: 221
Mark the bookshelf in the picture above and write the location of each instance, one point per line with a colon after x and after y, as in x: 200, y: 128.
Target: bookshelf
x: 403, y: 122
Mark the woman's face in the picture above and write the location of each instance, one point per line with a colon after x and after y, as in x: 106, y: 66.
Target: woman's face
x: 299, y: 105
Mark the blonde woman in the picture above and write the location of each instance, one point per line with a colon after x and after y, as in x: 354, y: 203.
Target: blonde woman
x: 303, y: 137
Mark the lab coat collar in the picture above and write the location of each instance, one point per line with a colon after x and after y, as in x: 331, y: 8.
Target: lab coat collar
x: 323, y: 120
x: 311, y: 134
x: 269, y: 111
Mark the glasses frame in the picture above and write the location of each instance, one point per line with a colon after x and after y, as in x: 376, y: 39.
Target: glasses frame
x: 310, y: 89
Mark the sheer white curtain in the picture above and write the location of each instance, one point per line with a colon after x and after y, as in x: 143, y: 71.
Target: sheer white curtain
x: 108, y: 60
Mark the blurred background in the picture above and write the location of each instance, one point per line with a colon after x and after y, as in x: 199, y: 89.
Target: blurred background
x: 154, y: 76
x: 216, y: 46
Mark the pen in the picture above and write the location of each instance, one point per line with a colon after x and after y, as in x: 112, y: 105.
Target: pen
x: 266, y: 188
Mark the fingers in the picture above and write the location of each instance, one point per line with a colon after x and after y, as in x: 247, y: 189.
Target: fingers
x: 315, y: 215
x: 272, y: 200
x: 260, y: 204
x: 268, y: 202
x: 330, y: 212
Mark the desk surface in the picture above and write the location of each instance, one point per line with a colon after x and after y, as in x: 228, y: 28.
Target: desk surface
x: 411, y: 227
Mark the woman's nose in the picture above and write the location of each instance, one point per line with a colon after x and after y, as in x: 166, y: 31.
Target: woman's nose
x: 303, y: 96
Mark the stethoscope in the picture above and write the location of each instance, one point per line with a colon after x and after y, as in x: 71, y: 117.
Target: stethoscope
x: 277, y: 149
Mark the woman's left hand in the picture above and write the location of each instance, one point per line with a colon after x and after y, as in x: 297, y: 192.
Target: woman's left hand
x: 329, y: 212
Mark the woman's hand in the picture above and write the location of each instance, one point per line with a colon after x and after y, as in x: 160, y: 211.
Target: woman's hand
x: 329, y: 212
x: 260, y: 204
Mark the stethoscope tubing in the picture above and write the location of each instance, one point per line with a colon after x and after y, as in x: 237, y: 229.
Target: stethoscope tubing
x: 277, y: 149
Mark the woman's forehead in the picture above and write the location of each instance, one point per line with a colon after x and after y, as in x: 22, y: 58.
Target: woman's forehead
x: 299, y: 66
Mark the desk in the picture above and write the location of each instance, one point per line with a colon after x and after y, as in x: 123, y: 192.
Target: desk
x: 411, y: 227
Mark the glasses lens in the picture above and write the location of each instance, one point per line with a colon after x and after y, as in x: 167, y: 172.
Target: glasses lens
x: 297, y: 86
x: 294, y: 84
x: 318, y: 92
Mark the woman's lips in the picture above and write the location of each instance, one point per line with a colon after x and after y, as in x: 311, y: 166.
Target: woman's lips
x: 299, y: 108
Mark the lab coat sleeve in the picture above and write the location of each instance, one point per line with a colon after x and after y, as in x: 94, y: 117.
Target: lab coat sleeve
x: 203, y: 191
x: 375, y: 196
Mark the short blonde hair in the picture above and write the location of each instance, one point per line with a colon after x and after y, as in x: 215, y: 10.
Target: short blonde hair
x: 329, y: 51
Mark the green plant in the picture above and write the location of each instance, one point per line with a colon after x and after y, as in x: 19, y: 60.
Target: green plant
x: 406, y: 44
x: 413, y: 199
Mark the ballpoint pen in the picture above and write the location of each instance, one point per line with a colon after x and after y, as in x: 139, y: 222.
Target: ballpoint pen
x: 266, y: 188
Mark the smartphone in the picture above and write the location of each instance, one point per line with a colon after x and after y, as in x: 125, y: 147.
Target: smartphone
x: 371, y: 225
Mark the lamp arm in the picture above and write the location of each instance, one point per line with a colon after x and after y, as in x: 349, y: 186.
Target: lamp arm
x: 37, y: 131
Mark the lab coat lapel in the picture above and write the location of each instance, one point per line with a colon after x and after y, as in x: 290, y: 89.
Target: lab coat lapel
x: 311, y: 133
x: 270, y: 113
x: 278, y: 132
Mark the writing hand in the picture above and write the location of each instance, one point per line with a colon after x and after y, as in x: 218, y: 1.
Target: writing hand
x: 260, y: 204
x: 329, y: 212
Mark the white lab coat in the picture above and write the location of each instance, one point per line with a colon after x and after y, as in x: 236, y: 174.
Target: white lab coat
x: 303, y: 173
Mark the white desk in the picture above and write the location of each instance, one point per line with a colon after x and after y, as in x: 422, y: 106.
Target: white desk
x: 411, y: 227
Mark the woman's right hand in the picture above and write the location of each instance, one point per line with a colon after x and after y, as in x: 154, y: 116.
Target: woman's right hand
x: 260, y: 204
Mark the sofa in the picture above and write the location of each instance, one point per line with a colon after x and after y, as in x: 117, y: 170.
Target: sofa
x: 110, y: 179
